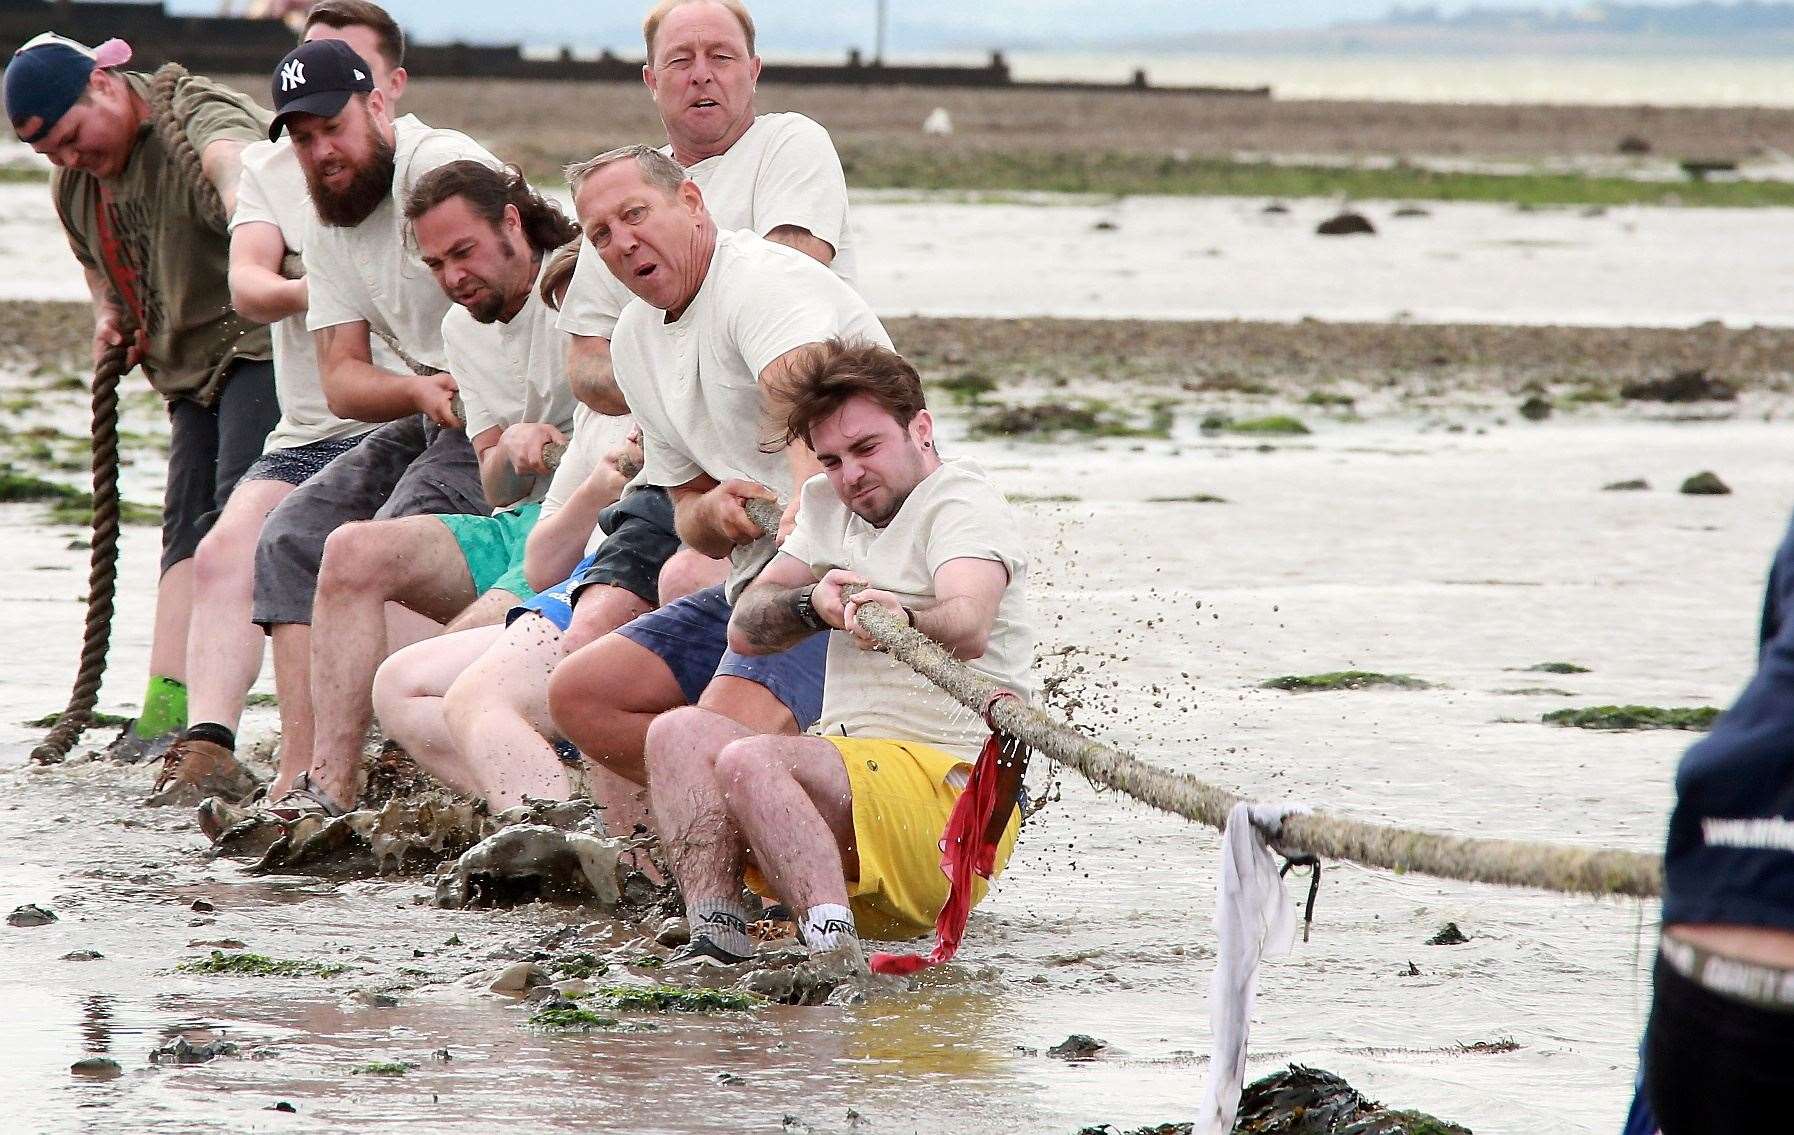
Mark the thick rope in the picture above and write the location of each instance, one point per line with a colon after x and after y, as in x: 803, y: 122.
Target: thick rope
x: 1553, y: 867
x: 102, y: 575
x: 173, y: 133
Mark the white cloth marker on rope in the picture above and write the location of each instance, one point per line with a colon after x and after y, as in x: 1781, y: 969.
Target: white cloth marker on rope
x: 1253, y: 921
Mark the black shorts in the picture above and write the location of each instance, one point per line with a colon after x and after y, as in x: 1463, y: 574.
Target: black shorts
x: 639, y: 539
x: 1715, y: 1064
x: 211, y: 448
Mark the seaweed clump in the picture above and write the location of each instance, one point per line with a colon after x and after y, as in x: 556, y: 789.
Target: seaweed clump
x: 1275, y: 424
x: 1344, y: 680
x: 674, y: 999
x: 384, y: 1068
x: 1090, y: 418
x: 1697, y: 719
x: 259, y: 965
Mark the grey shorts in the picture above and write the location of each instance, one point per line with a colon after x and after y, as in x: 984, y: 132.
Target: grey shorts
x: 297, y: 464
x: 211, y: 449
x: 411, y: 467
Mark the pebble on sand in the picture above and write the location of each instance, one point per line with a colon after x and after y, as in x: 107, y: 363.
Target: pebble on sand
x: 31, y: 915
x: 1449, y: 935
x: 1637, y: 485
x: 1705, y: 484
x: 1346, y: 224
x: 97, y: 1068
x: 1077, y: 1046
x: 1535, y: 409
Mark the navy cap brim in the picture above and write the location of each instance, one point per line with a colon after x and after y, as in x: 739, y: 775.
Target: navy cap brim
x: 324, y: 104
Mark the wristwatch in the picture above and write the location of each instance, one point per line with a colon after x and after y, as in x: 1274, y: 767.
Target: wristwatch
x: 805, y: 607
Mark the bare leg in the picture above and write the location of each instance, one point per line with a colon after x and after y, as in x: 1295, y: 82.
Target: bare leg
x: 225, y: 657
x: 414, y: 561
x: 174, y: 608
x: 292, y: 686
x: 686, y: 572
x: 790, y: 799
x: 408, y: 691
x: 749, y: 704
x: 604, y: 697
x: 703, y: 846
x: 498, y: 714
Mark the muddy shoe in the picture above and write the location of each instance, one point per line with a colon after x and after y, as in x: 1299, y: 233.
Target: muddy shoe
x: 218, y: 815
x: 193, y: 770
x: 129, y: 749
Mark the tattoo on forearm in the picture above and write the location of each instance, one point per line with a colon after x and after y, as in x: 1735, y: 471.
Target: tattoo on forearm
x: 770, y: 620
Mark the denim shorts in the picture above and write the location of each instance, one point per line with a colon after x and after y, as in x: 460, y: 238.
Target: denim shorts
x: 692, y: 637
x: 555, y: 604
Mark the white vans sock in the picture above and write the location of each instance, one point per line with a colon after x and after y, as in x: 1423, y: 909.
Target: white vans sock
x: 724, y: 922
x: 824, y: 926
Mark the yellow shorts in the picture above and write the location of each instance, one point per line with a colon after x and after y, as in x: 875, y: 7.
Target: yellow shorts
x: 901, y: 802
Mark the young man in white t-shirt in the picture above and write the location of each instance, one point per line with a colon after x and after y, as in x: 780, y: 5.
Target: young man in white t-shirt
x: 844, y: 827
x: 273, y: 212
x: 487, y: 237
x: 721, y: 318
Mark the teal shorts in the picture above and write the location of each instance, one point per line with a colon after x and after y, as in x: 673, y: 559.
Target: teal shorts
x: 493, y: 548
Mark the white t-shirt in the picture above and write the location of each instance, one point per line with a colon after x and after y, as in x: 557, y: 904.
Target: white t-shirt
x: 956, y: 513
x: 371, y: 273
x: 510, y: 372
x: 694, y: 384
x: 783, y: 171
x: 594, y: 435
x: 273, y: 191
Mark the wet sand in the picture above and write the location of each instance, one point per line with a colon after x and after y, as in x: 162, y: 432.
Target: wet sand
x: 1389, y: 544
x: 1226, y: 259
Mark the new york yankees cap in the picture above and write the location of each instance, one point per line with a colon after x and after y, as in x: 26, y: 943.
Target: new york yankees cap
x: 317, y: 78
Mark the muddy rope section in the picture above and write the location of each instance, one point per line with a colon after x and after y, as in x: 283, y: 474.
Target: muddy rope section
x: 102, y: 577
x: 1515, y: 863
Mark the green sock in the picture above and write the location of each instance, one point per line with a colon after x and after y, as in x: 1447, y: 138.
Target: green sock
x: 164, y: 708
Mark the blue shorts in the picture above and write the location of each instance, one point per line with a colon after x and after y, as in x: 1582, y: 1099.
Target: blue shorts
x: 692, y: 637
x: 638, y: 541
x: 555, y: 604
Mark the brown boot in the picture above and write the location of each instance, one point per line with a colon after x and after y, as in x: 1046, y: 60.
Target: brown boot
x: 193, y: 770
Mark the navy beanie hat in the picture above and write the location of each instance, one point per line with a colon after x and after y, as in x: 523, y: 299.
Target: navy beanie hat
x: 49, y: 75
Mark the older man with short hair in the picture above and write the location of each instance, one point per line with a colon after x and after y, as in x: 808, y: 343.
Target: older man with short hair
x: 776, y: 174
x: 723, y: 317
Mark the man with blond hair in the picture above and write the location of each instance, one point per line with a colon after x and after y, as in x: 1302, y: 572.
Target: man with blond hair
x: 777, y: 175
x: 722, y: 318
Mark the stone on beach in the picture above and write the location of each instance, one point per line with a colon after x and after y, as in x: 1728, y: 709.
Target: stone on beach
x: 31, y: 915
x: 1705, y: 484
x: 1691, y: 385
x: 1346, y: 224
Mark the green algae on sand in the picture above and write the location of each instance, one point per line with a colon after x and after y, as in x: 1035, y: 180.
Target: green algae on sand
x: 1556, y: 668
x: 1697, y: 719
x: 1278, y: 425
x: 1344, y: 680
x: 675, y: 999
x: 384, y: 1068
x: 258, y: 965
